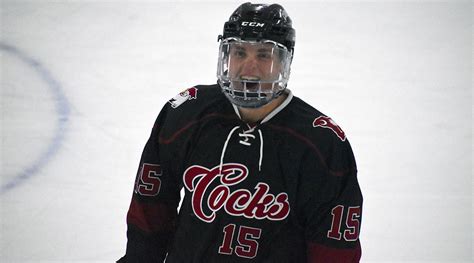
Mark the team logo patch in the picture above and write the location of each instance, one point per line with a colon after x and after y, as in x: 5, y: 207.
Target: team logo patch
x: 326, y: 122
x: 207, y: 201
x: 189, y: 94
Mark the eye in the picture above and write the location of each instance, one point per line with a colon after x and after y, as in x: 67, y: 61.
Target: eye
x: 264, y: 55
x: 239, y: 53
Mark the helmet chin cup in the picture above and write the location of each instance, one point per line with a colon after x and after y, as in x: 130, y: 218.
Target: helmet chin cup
x: 246, y: 103
x: 250, y: 99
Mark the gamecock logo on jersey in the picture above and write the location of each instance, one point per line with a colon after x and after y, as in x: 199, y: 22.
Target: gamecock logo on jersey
x: 184, y: 96
x: 326, y: 122
x: 206, y: 201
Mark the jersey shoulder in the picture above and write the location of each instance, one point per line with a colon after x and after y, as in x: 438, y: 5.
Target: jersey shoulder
x: 313, y: 123
x: 195, y: 100
x: 321, y: 134
x: 191, y: 107
x: 197, y: 96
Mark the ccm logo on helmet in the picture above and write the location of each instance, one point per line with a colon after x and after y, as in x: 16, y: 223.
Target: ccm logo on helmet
x: 254, y: 24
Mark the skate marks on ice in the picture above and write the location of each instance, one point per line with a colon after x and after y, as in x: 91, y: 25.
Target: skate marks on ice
x: 14, y: 172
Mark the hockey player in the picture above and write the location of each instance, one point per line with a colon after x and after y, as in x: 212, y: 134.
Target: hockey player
x: 267, y: 177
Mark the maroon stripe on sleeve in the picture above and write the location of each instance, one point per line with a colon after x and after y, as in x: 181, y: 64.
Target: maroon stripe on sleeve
x: 150, y: 217
x: 320, y: 253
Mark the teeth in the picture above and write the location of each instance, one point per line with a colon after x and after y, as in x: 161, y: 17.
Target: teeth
x: 252, y: 78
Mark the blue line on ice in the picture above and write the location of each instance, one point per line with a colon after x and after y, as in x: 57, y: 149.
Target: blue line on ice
x: 62, y: 110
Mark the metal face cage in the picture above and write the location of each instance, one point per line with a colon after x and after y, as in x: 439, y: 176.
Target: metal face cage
x: 252, y: 73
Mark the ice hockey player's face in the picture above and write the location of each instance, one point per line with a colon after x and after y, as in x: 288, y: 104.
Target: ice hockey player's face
x: 254, y: 62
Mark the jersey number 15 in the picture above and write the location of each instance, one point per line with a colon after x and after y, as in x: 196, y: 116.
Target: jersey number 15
x: 148, y: 180
x: 352, y: 223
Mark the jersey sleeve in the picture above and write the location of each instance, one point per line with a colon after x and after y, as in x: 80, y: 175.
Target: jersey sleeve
x: 152, y: 212
x: 331, y: 204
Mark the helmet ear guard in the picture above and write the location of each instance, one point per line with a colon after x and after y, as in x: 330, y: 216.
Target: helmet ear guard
x: 256, y: 27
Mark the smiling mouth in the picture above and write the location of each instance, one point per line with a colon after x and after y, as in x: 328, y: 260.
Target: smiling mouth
x: 250, y: 82
x: 250, y: 85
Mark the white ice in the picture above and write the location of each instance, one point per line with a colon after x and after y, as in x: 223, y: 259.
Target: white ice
x: 82, y: 82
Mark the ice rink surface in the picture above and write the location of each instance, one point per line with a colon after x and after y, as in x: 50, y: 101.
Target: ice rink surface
x: 82, y: 82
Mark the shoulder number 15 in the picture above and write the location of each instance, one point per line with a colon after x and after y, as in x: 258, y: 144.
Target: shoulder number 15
x: 352, y: 223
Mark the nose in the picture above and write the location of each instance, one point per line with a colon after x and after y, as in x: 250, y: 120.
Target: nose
x: 250, y: 66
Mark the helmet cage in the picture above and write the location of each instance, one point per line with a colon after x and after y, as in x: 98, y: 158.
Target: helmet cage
x: 253, y: 91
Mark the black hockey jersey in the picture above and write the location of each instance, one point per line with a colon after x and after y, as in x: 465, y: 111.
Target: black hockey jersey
x: 282, y: 190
